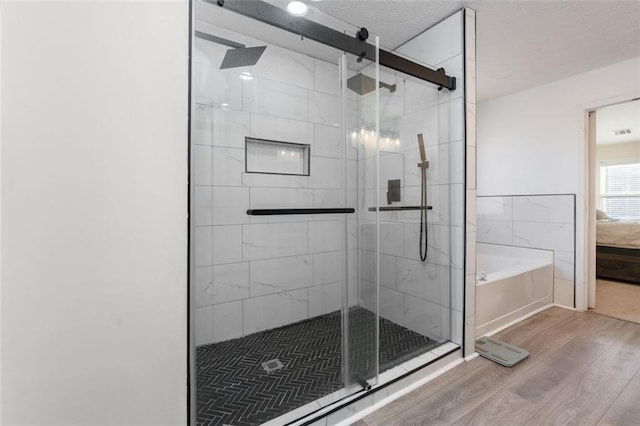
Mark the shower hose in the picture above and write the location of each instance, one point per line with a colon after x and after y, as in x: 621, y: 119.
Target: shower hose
x: 423, y: 214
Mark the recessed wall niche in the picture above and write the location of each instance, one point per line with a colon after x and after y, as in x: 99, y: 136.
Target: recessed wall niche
x: 276, y: 157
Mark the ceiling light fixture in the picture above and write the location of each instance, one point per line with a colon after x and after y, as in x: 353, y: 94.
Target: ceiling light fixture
x: 297, y: 8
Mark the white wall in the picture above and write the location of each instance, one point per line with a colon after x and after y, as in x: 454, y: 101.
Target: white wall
x: 94, y: 199
x: 618, y: 151
x: 1, y: 298
x: 532, y: 142
x: 528, y: 141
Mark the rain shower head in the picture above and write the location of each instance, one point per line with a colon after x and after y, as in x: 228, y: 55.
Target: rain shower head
x: 363, y: 84
x: 242, y: 57
x: 239, y: 56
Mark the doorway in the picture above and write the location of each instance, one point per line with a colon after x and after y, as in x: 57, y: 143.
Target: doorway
x: 614, y: 275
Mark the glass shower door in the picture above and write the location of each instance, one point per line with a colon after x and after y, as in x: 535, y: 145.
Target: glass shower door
x: 419, y: 179
x: 285, y: 294
x: 359, y: 83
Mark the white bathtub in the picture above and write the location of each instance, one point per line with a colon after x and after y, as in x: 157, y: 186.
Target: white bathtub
x: 519, y: 282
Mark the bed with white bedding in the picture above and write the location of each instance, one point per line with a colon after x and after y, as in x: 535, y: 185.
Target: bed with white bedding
x: 618, y: 250
x: 618, y: 233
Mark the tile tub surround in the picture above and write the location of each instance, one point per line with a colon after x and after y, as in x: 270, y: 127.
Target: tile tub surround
x: 534, y: 221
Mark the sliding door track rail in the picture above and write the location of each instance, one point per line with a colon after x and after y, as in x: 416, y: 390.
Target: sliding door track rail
x: 272, y: 15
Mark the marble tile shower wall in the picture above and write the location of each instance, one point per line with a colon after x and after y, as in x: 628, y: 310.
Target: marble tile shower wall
x: 536, y: 221
x: 423, y: 296
x: 469, y: 285
x: 255, y: 273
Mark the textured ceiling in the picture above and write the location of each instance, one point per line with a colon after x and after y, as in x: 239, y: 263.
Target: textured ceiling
x: 520, y: 44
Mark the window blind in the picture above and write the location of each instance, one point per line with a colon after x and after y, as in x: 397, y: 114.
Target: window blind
x: 620, y: 190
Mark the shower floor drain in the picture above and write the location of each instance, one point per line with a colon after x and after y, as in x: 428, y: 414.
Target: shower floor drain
x: 272, y: 365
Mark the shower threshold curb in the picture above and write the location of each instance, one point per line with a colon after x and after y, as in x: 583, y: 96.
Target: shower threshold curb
x: 415, y: 372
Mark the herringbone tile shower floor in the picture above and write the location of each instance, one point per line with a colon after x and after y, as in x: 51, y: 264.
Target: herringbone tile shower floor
x: 234, y: 389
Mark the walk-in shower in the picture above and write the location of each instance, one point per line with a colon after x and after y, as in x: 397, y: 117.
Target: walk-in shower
x: 309, y: 285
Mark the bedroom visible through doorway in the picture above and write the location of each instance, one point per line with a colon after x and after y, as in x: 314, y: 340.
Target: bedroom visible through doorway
x: 615, y: 178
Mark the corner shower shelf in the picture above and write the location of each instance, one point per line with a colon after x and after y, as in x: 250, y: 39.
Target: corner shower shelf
x: 399, y: 208
x: 272, y: 212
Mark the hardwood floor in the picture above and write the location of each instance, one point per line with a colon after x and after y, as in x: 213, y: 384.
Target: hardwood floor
x: 584, y: 369
x: 618, y: 300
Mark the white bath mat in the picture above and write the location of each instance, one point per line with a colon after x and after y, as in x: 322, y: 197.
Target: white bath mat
x: 500, y: 352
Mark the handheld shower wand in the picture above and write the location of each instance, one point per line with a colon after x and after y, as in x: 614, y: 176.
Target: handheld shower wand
x: 423, y: 165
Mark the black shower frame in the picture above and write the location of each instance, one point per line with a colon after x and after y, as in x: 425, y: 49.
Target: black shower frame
x: 277, y: 17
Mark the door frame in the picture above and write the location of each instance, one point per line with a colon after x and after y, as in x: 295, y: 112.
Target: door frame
x: 585, y: 288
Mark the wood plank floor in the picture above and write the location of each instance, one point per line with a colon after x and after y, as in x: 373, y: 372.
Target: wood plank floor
x: 584, y: 369
x: 618, y: 300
